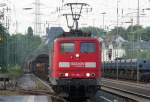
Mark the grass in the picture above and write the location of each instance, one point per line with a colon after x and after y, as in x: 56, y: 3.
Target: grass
x: 8, y: 93
x: 40, y: 85
x: 15, y: 71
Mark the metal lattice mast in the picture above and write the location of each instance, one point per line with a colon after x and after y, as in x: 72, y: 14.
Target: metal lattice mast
x: 138, y: 13
x: 5, y: 14
x: 37, y: 24
x: 117, y: 35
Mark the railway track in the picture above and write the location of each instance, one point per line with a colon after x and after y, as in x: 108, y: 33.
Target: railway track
x: 140, y: 85
x: 51, y: 93
x: 53, y: 96
x: 67, y: 99
x: 137, y: 92
x: 34, y: 92
x: 48, y: 92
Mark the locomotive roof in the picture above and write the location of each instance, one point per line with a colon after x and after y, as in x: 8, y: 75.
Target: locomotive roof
x: 75, y: 38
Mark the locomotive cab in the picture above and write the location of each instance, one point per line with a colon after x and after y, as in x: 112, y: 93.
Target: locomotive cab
x: 76, y: 64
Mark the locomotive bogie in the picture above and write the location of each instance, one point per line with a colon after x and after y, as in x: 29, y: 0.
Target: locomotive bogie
x: 76, y: 87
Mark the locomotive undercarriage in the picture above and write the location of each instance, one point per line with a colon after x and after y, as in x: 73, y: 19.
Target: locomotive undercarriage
x: 76, y: 88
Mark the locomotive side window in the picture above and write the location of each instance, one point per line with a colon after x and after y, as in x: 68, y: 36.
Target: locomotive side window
x: 67, y: 47
x: 87, y: 47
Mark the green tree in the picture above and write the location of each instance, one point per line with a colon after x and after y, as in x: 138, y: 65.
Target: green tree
x: 94, y: 31
x: 134, y: 28
x: 30, y: 31
x: 142, y: 33
x: 4, y: 35
x: 145, y: 34
x: 20, y: 46
x: 121, y: 31
x: 133, y: 32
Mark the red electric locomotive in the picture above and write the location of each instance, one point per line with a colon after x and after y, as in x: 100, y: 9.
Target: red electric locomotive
x: 76, y: 66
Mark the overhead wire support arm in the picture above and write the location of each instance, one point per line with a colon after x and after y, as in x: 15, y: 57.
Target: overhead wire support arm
x: 76, y: 15
x: 69, y: 26
x: 80, y: 11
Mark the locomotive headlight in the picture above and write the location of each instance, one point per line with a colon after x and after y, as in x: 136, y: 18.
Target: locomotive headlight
x: 88, y: 74
x: 66, y: 74
x: 64, y: 64
x: 77, y: 55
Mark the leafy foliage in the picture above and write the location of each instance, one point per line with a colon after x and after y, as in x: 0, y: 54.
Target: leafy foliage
x: 94, y: 31
x: 121, y: 31
x: 3, y: 30
x: 134, y: 28
x: 138, y: 41
x: 3, y: 48
x: 21, y: 46
x: 14, y: 71
x: 30, y: 31
x: 132, y: 33
x: 135, y: 32
x: 144, y: 34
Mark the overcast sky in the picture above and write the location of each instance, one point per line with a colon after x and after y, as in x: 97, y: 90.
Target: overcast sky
x: 25, y: 18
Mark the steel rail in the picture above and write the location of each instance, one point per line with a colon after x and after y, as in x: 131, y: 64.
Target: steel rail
x: 126, y: 93
x: 138, y: 85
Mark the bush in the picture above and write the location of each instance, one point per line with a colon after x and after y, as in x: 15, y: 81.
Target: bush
x: 15, y: 71
x: 3, y: 69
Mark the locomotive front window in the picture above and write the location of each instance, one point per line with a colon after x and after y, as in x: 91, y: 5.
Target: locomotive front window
x: 67, y: 47
x: 87, y: 47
